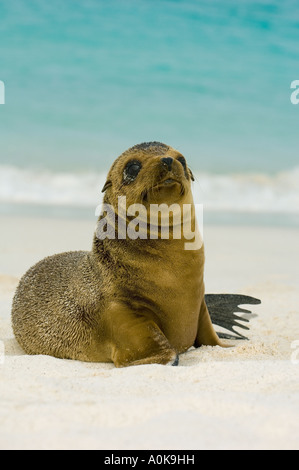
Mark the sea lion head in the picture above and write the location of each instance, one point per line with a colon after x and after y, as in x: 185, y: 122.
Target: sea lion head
x: 149, y: 173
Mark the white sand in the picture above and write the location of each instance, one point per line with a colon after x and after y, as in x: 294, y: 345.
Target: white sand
x: 241, y: 398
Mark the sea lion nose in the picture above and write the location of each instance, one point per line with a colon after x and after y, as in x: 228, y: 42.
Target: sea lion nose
x: 167, y: 161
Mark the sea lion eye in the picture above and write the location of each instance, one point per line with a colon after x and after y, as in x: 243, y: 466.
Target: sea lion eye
x: 131, y: 171
x: 183, y: 162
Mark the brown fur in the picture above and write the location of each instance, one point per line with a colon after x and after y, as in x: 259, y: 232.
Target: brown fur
x: 127, y: 301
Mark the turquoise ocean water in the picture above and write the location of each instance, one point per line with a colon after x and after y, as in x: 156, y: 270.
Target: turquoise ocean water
x: 85, y: 80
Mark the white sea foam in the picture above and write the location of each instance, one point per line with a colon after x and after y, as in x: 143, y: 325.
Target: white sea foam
x: 257, y: 193
x: 48, y: 188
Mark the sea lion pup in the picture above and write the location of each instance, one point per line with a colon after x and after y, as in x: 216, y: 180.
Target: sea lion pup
x: 129, y: 301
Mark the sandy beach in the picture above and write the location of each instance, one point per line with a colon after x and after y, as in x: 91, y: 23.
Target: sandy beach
x: 246, y: 397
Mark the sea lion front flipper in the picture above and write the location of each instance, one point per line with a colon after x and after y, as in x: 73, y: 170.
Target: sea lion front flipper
x: 137, y: 340
x: 223, y: 308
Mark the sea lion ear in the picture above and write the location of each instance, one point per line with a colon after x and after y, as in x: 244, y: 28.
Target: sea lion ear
x: 191, y: 175
x: 107, y: 185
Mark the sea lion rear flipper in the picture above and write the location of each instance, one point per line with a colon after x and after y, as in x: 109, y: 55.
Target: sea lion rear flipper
x: 223, y: 308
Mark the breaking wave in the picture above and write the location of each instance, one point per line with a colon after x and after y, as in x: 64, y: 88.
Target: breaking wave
x: 257, y: 193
